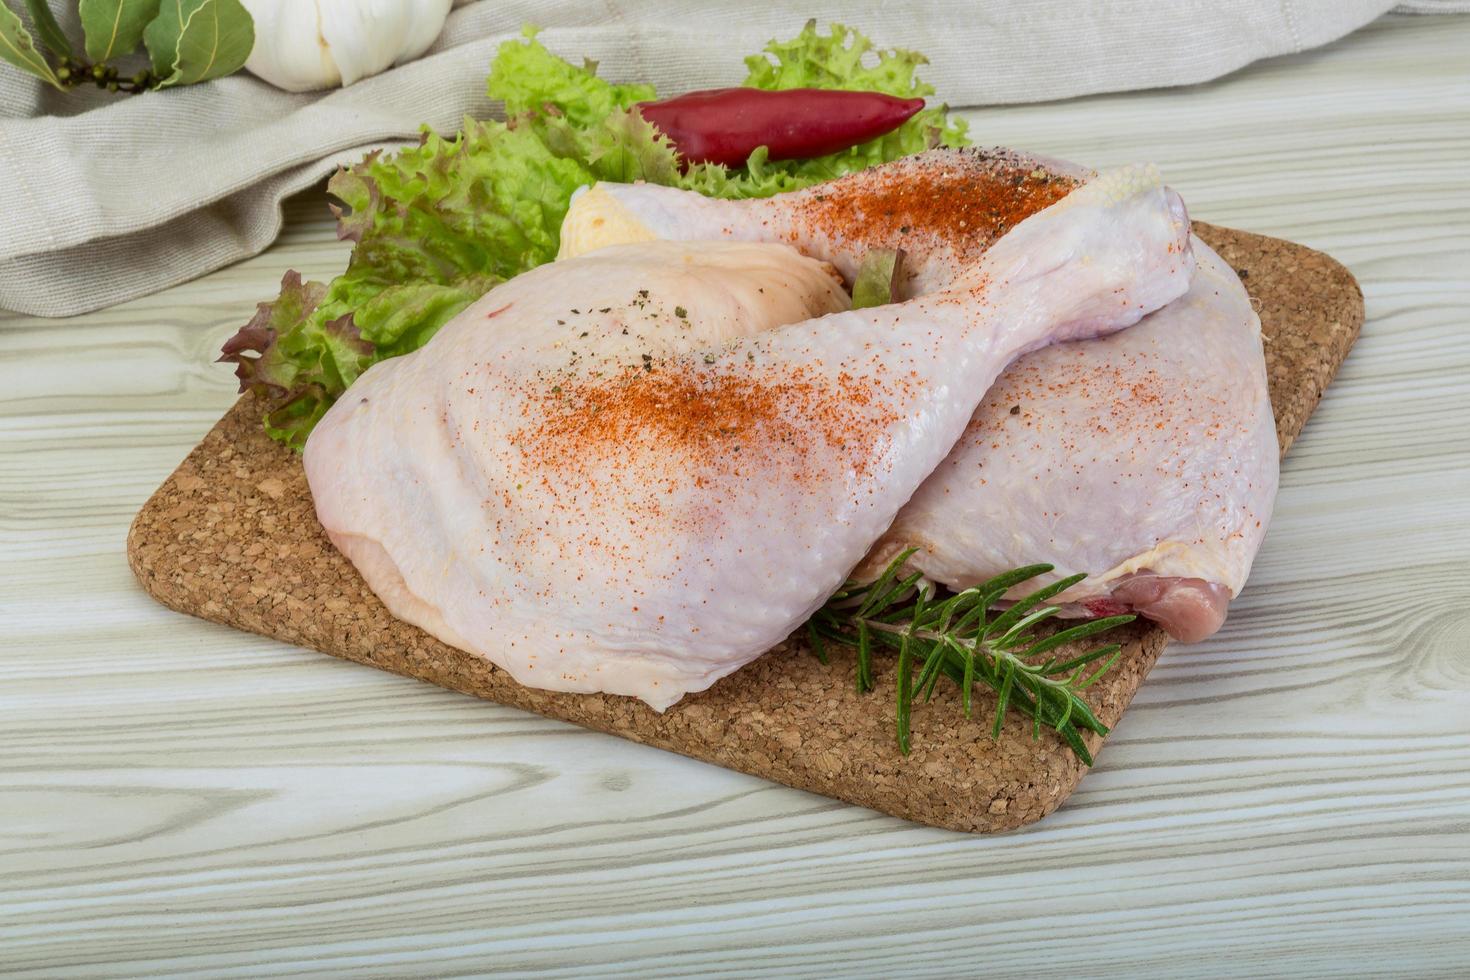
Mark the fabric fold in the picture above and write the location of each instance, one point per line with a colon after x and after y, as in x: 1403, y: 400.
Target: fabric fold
x: 125, y: 195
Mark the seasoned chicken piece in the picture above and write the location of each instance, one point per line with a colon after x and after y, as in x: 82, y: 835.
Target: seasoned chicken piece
x: 944, y: 208
x: 684, y: 298
x: 576, y: 480
x: 1149, y: 458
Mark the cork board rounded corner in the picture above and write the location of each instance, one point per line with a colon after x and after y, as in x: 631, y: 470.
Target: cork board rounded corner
x: 231, y: 537
x: 142, y: 545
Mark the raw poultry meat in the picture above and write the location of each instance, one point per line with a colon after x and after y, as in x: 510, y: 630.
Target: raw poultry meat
x: 600, y: 479
x: 944, y: 208
x: 710, y: 295
x: 1149, y: 458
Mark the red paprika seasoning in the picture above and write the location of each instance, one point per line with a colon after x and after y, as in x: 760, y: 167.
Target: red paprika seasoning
x: 725, y: 125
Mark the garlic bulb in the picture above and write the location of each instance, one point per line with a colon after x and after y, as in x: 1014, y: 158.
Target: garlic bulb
x: 302, y: 45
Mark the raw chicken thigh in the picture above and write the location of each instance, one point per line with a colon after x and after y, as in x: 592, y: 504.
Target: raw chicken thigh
x: 617, y: 473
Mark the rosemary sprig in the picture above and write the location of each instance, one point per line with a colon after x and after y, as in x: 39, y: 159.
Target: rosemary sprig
x: 965, y: 638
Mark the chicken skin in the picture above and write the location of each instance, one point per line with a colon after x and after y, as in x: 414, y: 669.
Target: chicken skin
x: 1148, y: 458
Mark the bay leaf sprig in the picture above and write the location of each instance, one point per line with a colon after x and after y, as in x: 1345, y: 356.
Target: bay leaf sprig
x: 969, y: 638
x: 187, y: 41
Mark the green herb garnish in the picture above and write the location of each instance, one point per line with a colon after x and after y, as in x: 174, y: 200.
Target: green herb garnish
x: 970, y: 641
x: 876, y: 283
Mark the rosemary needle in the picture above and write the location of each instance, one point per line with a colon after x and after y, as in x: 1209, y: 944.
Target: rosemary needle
x: 965, y: 638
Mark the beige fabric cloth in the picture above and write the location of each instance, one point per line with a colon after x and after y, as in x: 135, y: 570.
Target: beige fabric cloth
x: 106, y: 198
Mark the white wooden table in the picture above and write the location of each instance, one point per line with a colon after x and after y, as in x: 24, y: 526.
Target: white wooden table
x: 1291, y: 796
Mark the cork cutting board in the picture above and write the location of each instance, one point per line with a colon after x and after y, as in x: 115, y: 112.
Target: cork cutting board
x: 232, y: 537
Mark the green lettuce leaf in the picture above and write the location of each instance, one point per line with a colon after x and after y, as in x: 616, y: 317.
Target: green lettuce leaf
x: 437, y: 225
x: 529, y: 78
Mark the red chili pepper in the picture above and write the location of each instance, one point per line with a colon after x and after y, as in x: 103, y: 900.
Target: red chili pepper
x: 724, y: 125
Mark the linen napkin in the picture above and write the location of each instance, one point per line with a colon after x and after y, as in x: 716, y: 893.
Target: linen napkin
x: 109, y: 197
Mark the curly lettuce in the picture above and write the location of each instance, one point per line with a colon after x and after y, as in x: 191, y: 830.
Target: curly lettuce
x: 437, y: 225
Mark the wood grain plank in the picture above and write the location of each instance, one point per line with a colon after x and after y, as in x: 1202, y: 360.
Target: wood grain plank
x: 1289, y: 798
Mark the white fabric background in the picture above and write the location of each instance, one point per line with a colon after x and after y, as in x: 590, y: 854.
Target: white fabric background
x: 105, y: 198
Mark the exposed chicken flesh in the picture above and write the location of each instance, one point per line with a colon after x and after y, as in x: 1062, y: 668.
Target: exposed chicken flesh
x: 579, y: 479
x: 1149, y: 458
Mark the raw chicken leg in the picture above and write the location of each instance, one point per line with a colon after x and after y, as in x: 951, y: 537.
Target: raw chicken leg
x: 944, y: 208
x: 1148, y: 457
x: 575, y: 482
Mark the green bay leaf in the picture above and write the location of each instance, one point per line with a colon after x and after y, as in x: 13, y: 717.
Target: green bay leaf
x: 215, y: 40
x: 17, y: 47
x: 113, y: 28
x: 876, y: 283
x: 161, y: 36
x: 51, y: 33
